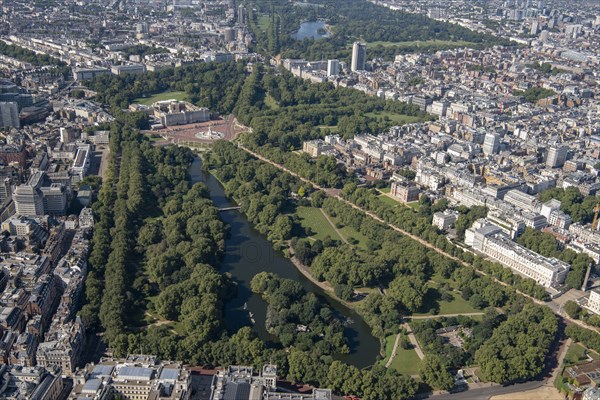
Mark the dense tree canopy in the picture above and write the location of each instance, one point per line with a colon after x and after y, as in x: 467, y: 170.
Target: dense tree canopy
x: 353, y: 20
x: 518, y: 347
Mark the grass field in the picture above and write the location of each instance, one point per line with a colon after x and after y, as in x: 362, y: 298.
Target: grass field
x: 414, y: 205
x: 388, y: 200
x: 314, y: 219
x: 456, y: 306
x: 397, y: 118
x: 330, y: 128
x: 263, y: 22
x: 350, y: 232
x: 576, y: 354
x: 434, y: 305
x: 426, y: 43
x: 405, y: 362
x: 161, y: 96
x: 271, y: 102
x: 389, y: 346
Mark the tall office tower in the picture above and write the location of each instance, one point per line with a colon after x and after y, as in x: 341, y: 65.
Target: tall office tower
x: 491, y: 144
x: 534, y: 28
x: 557, y: 155
x: 28, y: 198
x: 9, y: 115
x: 241, y: 17
x: 333, y: 67
x: 359, y: 56
x: 54, y: 199
x: 142, y: 27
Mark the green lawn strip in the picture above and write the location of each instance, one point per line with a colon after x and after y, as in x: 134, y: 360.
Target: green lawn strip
x: 397, y: 118
x: 263, y: 22
x: 414, y: 205
x: 351, y: 233
x: 389, y: 346
x: 271, y: 102
x: 384, y: 198
x: 366, y: 290
x: 458, y: 305
x: 330, y: 128
x: 160, y: 97
x: 406, y: 362
x: 313, y: 218
x: 577, y: 354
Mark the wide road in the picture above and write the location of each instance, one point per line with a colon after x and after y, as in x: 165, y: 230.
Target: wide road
x: 553, y: 305
x: 486, y: 393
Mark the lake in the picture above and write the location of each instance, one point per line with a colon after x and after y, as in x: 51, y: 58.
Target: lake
x: 247, y: 253
x: 311, y: 30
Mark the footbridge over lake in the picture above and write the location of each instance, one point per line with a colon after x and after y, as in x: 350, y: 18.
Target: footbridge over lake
x: 222, y: 209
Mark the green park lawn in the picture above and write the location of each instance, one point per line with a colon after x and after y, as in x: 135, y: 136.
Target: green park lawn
x: 576, y: 354
x: 405, y: 362
x: 160, y: 97
x: 263, y: 22
x: 388, y: 200
x: 271, y: 102
x: 313, y: 218
x: 414, y: 205
x: 330, y: 128
x: 457, y: 305
x: 351, y: 233
x: 396, y: 118
x: 389, y: 346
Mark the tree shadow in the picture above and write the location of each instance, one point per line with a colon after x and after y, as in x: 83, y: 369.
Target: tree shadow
x: 431, y: 302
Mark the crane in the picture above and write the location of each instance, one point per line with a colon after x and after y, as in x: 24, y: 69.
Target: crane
x: 595, y: 221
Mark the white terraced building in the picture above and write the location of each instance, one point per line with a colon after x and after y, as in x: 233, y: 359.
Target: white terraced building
x: 489, y: 240
x: 593, y: 302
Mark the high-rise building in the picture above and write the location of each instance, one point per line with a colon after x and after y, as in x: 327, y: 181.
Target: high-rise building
x: 359, y: 56
x: 142, y: 27
x: 241, y: 16
x: 333, y: 67
x: 55, y: 199
x: 557, y: 155
x: 491, y: 144
x: 535, y: 26
x: 229, y: 35
x: 28, y: 198
x: 36, y: 197
x: 9, y: 115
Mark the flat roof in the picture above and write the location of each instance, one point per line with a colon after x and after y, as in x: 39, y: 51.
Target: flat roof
x: 169, y: 374
x: 104, y: 370
x: 92, y: 385
x: 137, y: 372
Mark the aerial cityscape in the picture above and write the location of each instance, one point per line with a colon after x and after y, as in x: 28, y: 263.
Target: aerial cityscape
x: 299, y: 199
